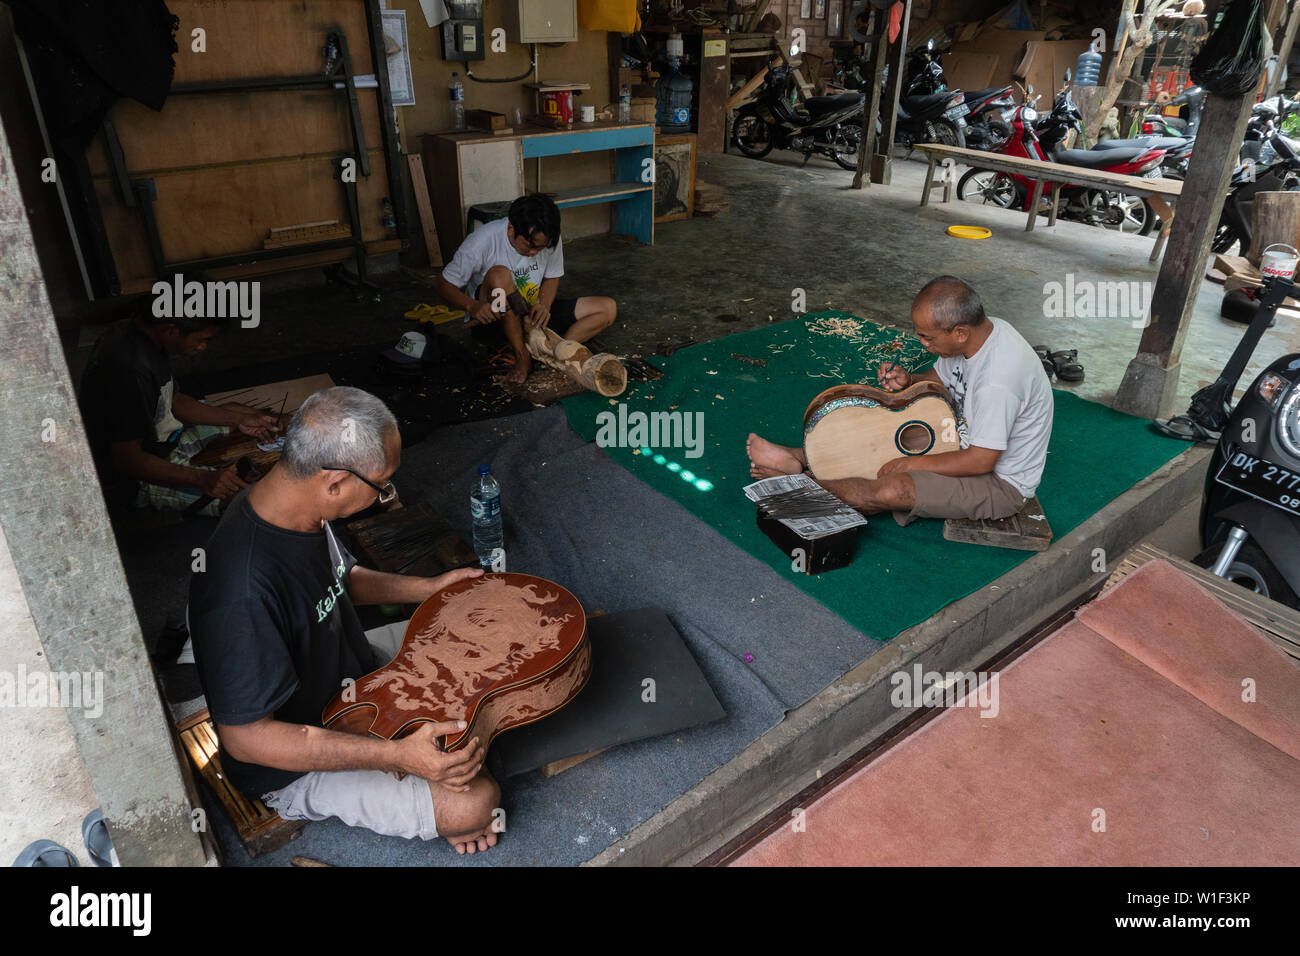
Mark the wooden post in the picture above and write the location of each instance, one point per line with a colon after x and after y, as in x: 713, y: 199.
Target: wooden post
x: 882, y: 160
x: 1150, y: 383
x: 867, y: 146
x: 1284, y: 50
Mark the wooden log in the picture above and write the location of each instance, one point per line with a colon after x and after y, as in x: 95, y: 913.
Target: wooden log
x: 601, y: 373
x: 1276, y: 219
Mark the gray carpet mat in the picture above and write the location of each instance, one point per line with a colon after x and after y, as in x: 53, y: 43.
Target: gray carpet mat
x: 574, y: 516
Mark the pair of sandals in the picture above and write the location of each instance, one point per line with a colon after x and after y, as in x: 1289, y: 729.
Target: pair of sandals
x: 1063, y: 364
x: 48, y: 853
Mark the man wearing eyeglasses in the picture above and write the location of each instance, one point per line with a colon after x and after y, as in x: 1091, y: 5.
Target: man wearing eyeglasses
x: 509, y: 271
x: 276, y: 634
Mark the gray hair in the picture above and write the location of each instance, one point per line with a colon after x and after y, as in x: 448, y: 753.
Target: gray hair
x: 338, y: 428
x: 952, y: 302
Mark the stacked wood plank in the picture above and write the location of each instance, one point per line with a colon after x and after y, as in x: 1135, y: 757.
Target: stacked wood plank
x: 709, y: 199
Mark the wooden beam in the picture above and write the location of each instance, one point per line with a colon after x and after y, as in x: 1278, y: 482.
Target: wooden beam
x: 883, y: 160
x: 1151, y: 380
x: 743, y: 94
x: 1284, y: 51
x: 867, y: 145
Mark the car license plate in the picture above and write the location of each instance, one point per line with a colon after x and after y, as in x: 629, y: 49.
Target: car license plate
x: 957, y: 112
x: 1263, y: 480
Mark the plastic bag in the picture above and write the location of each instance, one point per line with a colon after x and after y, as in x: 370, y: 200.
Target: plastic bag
x: 1232, y: 60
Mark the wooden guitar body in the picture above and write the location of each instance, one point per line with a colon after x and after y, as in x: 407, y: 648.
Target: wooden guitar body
x: 496, y: 651
x: 849, y: 431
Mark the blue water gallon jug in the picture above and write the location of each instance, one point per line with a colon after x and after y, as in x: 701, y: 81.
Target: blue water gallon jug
x: 673, y: 106
x: 1088, y: 69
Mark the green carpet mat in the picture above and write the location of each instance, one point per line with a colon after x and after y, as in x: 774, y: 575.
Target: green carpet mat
x: 900, y: 576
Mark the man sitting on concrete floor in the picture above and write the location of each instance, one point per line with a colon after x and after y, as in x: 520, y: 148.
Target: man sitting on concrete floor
x: 136, y: 420
x: 1004, y: 420
x: 276, y: 634
x: 509, y: 270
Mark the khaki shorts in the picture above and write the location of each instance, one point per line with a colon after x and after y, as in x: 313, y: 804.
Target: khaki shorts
x: 372, y: 799
x: 971, y: 496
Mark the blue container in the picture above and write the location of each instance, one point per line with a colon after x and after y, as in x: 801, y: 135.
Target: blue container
x: 1088, y: 69
x: 673, y: 109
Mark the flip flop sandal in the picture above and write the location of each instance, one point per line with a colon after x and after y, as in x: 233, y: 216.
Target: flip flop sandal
x: 1188, y: 429
x: 1043, y: 352
x: 1066, y: 365
x: 46, y: 853
x: 98, y: 843
x: 435, y: 314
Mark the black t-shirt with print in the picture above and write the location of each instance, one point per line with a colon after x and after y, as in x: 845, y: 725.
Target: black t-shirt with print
x: 126, y: 395
x: 274, y: 630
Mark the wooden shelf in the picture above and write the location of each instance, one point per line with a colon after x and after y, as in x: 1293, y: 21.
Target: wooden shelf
x: 606, y: 192
x: 557, y: 87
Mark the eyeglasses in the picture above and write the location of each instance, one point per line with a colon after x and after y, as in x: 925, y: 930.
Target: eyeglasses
x: 386, y: 494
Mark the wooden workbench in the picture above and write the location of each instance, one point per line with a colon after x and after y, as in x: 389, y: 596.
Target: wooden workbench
x: 1056, y: 175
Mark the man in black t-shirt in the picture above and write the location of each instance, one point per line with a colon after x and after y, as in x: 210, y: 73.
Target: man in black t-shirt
x: 136, y: 420
x: 276, y: 635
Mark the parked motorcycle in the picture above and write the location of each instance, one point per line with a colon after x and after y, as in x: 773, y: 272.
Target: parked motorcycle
x: 1237, y: 216
x: 1044, y: 142
x: 1178, y: 151
x: 1160, y: 125
x: 829, y: 126
x: 1250, y: 512
x: 987, y: 125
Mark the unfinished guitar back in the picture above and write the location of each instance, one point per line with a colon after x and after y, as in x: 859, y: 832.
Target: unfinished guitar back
x: 851, y: 430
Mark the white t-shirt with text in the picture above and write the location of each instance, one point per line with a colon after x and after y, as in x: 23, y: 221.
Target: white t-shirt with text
x: 489, y: 246
x: 1004, y: 402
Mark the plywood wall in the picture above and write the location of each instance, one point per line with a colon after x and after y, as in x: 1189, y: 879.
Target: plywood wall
x: 230, y: 167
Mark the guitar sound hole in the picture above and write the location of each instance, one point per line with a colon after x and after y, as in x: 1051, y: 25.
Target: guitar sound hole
x: 915, y: 438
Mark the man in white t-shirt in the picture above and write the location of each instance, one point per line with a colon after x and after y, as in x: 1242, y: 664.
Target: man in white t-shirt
x: 1004, y: 410
x: 509, y: 271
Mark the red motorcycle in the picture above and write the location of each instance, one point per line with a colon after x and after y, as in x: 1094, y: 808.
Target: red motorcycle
x: 1034, y: 137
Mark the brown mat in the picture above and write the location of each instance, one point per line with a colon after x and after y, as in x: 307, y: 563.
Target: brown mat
x: 1082, y: 726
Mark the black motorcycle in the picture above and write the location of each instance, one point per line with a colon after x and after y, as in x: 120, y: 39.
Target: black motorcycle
x: 988, y: 112
x: 1250, y: 513
x: 1235, y: 219
x: 830, y: 126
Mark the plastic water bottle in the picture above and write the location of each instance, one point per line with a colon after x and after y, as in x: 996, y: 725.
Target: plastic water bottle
x: 456, y: 91
x: 625, y: 105
x: 485, y: 511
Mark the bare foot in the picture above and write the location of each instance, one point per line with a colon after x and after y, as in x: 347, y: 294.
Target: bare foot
x: 473, y: 843
x: 767, y: 460
x: 519, y: 374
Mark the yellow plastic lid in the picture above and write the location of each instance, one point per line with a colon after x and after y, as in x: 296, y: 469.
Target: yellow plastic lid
x: 969, y: 232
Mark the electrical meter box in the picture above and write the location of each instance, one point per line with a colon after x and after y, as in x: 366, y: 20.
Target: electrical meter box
x: 462, y: 35
x: 542, y: 21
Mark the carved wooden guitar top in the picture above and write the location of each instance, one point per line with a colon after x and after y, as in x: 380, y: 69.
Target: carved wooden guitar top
x: 495, y: 651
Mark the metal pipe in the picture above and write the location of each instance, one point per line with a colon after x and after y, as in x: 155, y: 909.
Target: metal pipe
x: 1236, y: 538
